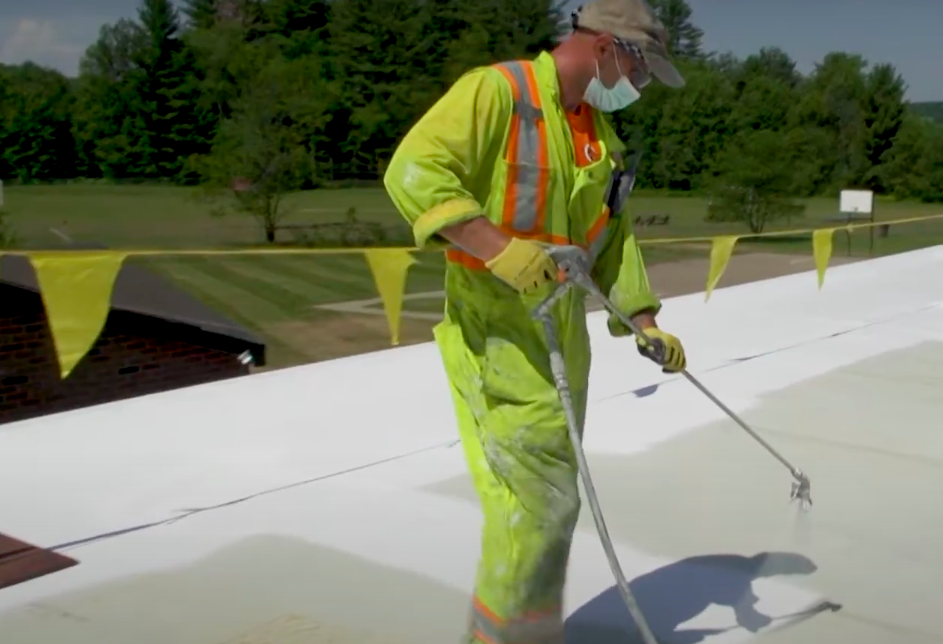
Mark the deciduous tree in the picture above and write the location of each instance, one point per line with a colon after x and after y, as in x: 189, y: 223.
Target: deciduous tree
x: 266, y: 148
x: 754, y: 181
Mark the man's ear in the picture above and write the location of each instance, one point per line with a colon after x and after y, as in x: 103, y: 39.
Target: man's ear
x: 602, y: 45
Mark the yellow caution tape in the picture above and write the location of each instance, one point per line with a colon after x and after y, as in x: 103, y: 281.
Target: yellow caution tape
x: 76, y: 285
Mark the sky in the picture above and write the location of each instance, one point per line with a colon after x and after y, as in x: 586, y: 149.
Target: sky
x: 904, y: 33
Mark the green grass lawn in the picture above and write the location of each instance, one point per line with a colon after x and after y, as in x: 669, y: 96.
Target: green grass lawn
x: 270, y: 292
x: 173, y: 217
x: 276, y: 295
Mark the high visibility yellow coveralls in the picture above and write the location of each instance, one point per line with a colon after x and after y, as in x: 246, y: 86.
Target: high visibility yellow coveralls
x: 500, y: 144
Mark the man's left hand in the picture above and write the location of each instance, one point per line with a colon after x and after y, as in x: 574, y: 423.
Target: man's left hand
x: 665, y: 349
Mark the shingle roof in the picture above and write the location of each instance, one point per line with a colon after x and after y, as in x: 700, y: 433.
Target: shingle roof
x: 138, y: 290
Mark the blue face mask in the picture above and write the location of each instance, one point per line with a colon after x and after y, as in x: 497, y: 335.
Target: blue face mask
x: 611, y: 99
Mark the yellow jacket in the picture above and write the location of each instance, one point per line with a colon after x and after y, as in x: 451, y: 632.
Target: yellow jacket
x: 499, y: 144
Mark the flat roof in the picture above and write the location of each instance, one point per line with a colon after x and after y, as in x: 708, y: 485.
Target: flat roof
x: 330, y: 502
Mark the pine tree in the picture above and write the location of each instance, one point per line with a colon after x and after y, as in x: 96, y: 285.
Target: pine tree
x: 884, y: 114
x: 201, y: 14
x: 160, y: 24
x: 684, y: 37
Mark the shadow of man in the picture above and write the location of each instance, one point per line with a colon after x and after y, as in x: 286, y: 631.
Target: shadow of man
x: 672, y: 595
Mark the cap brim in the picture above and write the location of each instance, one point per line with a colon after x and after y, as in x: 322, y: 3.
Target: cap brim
x: 663, y: 70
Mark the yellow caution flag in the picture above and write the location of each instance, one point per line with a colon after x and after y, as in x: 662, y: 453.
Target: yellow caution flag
x: 721, y: 252
x: 389, y: 267
x: 76, y: 291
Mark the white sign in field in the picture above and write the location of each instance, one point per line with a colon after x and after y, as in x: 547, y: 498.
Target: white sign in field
x: 856, y: 201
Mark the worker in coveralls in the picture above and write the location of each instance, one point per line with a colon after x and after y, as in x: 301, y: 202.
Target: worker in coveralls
x: 513, y: 169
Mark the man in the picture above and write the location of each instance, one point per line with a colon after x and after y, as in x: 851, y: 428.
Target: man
x: 513, y: 167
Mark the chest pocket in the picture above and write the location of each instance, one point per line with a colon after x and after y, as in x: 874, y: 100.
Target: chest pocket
x: 588, y: 207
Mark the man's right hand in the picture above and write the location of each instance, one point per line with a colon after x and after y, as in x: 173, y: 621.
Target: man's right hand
x: 524, y: 265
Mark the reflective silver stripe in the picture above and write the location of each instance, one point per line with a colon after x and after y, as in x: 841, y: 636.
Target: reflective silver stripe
x: 548, y: 630
x: 484, y: 630
x: 542, y: 630
x: 527, y: 199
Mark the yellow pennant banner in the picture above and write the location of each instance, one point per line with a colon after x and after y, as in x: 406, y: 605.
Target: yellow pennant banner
x: 721, y: 252
x: 76, y: 286
x: 76, y: 291
x: 389, y: 267
x: 822, y: 251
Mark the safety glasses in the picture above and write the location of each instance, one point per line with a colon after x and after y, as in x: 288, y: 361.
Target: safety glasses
x: 638, y: 75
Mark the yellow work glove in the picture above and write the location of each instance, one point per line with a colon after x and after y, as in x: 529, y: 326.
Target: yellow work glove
x: 524, y: 265
x: 665, y: 349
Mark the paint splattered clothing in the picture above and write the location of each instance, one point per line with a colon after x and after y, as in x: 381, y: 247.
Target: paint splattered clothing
x: 500, y: 144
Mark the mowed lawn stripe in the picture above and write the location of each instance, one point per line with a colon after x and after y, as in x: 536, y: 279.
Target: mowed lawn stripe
x: 349, y: 276
x: 335, y: 278
x: 210, y: 277
x: 270, y: 290
x: 232, y: 298
x: 309, y: 289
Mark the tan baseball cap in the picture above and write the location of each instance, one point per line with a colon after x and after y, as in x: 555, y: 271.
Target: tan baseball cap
x: 633, y: 22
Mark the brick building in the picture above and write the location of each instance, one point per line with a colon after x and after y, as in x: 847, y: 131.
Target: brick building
x: 156, y: 338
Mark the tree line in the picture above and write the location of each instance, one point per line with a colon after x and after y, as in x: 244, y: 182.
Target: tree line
x: 289, y: 94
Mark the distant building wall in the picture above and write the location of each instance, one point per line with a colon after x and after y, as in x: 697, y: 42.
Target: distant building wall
x: 135, y: 355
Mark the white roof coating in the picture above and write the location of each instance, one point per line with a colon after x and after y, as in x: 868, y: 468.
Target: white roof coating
x: 329, y: 503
